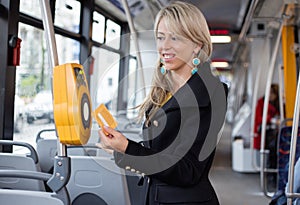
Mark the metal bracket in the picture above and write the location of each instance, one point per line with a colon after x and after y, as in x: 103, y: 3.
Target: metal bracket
x: 61, y: 173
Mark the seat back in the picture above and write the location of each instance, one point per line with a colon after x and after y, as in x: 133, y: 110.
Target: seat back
x: 97, y: 180
x: 47, y: 150
x: 18, y: 197
x: 46, y: 147
x: 20, y: 162
x: 21, y: 197
x: 15, y: 162
x: 284, y: 154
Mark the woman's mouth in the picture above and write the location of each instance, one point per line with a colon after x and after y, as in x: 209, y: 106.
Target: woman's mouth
x: 168, y: 57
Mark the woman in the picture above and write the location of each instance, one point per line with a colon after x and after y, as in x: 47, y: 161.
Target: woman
x: 271, y: 139
x: 273, y: 113
x: 184, y: 113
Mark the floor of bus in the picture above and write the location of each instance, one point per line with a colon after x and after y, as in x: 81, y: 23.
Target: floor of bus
x: 234, y: 188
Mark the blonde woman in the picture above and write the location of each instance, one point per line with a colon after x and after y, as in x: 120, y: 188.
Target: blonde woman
x: 184, y: 113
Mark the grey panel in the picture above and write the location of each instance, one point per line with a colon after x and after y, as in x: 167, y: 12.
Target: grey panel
x: 98, y: 176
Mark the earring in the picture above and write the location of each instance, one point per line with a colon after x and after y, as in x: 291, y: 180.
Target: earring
x: 196, y: 61
x: 163, y: 70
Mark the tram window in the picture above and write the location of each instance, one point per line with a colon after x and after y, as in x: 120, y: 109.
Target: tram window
x: 67, y: 49
x: 33, y: 71
x: 32, y: 80
x: 67, y: 15
x: 113, y: 32
x: 104, y: 81
x: 98, y: 27
x: 133, y: 92
x: 31, y: 8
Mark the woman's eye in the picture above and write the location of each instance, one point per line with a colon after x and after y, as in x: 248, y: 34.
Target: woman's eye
x: 174, y: 38
x: 160, y: 38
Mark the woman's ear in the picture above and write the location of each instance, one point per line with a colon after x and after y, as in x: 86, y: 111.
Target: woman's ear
x: 197, y: 48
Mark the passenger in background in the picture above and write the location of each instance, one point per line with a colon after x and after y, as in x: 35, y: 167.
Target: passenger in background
x: 272, y: 117
x: 271, y: 128
x: 184, y: 113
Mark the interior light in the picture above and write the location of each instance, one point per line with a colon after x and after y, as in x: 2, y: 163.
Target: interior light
x: 219, y: 32
x: 220, y: 39
x: 220, y: 64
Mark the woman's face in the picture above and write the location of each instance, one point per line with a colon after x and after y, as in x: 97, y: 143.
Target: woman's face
x: 273, y: 96
x: 176, y: 51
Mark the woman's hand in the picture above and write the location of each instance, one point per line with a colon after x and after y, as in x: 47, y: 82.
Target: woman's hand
x: 111, y: 139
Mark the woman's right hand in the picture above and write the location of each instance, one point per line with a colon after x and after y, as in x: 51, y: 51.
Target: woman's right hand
x: 112, y: 139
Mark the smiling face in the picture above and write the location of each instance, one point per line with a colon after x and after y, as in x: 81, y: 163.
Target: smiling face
x: 176, y: 51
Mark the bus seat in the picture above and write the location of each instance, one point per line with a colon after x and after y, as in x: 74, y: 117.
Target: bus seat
x: 284, y: 154
x: 21, y: 197
x: 47, y: 150
x: 297, y: 181
x: 296, y: 187
x: 46, y: 147
x: 18, y: 197
x: 20, y: 162
x: 96, y: 180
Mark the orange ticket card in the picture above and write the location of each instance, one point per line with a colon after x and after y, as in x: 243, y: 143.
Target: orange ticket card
x: 104, y: 117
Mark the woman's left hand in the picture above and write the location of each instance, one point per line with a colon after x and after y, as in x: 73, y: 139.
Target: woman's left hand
x: 111, y: 139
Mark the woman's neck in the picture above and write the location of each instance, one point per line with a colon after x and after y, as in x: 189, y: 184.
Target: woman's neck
x: 179, y: 79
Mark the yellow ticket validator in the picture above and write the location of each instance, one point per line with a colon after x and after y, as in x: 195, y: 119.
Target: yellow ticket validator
x: 103, y: 117
x: 71, y: 103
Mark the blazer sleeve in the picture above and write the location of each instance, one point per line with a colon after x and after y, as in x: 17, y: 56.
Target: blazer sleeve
x: 177, y: 162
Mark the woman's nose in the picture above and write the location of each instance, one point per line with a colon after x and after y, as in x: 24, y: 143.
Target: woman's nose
x: 166, y: 44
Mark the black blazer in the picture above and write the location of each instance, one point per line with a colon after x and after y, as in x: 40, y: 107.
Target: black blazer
x: 179, y: 146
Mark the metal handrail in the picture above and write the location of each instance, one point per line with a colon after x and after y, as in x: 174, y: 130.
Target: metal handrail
x: 135, y: 42
x: 254, y: 103
x: 281, y: 96
x: 263, y: 152
x: 52, y: 50
x: 33, y: 154
x: 290, y: 188
x: 249, y: 16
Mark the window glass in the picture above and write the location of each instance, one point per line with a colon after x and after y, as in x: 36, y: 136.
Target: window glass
x: 98, y: 27
x: 68, y: 50
x: 33, y: 99
x: 67, y: 15
x: 104, y: 81
x: 33, y: 73
x: 113, y: 32
x: 132, y: 88
x: 31, y: 8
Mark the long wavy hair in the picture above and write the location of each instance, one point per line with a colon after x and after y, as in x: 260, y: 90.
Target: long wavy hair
x: 186, y: 20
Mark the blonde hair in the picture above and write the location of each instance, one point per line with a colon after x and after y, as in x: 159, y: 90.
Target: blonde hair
x: 185, y: 20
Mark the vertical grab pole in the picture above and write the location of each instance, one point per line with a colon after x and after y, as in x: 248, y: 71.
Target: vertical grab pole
x: 254, y: 103
x: 52, y: 50
x: 135, y: 41
x: 265, y: 113
x: 281, y: 87
x: 50, y: 35
x: 290, y: 185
